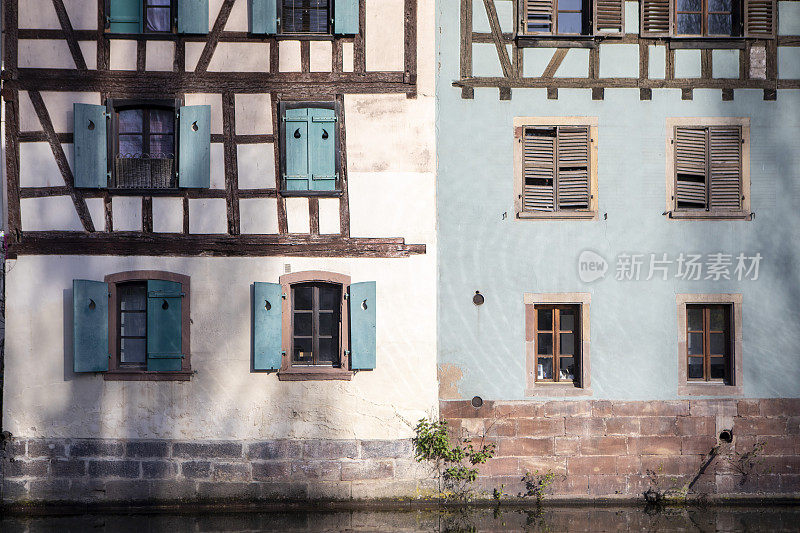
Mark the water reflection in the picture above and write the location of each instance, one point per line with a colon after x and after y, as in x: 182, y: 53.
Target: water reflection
x: 547, y: 518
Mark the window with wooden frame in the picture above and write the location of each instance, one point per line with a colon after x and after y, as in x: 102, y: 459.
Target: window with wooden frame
x: 570, y: 18
x: 133, y: 326
x: 709, y: 343
x: 314, y: 325
x: 708, y: 19
x: 708, y: 160
x: 307, y: 19
x: 557, y: 344
x: 310, y: 158
x: 555, y: 167
x: 157, y: 16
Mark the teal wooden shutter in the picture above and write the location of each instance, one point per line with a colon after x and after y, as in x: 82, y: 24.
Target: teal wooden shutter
x: 164, y: 328
x: 322, y: 149
x: 192, y: 16
x: 264, y: 17
x: 194, y: 147
x: 89, y: 326
x: 363, y: 344
x: 125, y: 16
x: 267, y: 326
x: 297, y: 173
x: 90, y: 154
x: 345, y: 17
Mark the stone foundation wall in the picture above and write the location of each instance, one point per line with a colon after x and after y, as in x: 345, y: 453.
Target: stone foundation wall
x: 104, y: 470
x: 604, y: 448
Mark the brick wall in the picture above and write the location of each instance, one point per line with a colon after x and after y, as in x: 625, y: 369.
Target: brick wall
x: 603, y: 448
x: 97, y: 470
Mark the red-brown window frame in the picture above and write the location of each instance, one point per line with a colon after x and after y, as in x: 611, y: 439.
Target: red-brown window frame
x: 706, y: 331
x: 556, y: 331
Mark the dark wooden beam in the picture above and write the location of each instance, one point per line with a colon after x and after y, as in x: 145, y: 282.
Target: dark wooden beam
x: 555, y: 62
x: 69, y: 34
x: 231, y: 162
x: 497, y: 38
x: 344, y: 200
x: 410, y: 45
x: 213, y: 36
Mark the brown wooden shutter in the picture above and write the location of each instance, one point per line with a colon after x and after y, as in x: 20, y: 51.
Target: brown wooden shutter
x: 573, y: 167
x: 725, y: 168
x: 656, y: 18
x: 538, y: 169
x: 759, y: 18
x: 690, y: 168
x: 609, y: 17
x: 540, y: 13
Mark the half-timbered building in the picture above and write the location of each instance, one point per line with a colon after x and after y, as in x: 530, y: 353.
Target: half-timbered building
x: 221, y: 248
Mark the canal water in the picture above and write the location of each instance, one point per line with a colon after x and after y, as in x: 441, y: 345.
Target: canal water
x: 549, y: 518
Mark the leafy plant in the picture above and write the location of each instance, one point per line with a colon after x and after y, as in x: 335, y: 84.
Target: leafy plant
x: 455, y: 464
x: 536, y: 484
x: 747, y: 463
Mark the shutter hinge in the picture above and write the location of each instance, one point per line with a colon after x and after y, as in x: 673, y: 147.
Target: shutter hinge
x: 283, y: 353
x: 283, y: 296
x: 347, y: 352
x: 347, y: 296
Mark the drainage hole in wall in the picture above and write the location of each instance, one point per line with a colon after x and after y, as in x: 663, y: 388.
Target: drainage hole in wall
x: 478, y: 298
x: 726, y: 436
x: 477, y: 401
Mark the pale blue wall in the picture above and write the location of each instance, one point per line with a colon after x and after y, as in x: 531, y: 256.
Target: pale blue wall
x: 634, y: 330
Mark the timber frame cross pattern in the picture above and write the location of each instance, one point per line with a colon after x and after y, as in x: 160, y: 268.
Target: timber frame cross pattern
x: 177, y: 83
x: 514, y: 77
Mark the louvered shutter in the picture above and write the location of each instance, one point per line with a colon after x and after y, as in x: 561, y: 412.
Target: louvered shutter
x: 194, y: 147
x: 322, y: 149
x: 538, y: 169
x: 609, y: 17
x: 164, y: 328
x: 193, y: 16
x: 690, y: 168
x: 125, y: 16
x: 363, y: 341
x: 264, y: 17
x: 656, y: 18
x: 725, y: 149
x: 267, y: 326
x: 537, y: 16
x: 345, y: 17
x: 759, y: 18
x: 573, y: 168
x: 296, y: 168
x: 89, y: 326
x: 90, y: 152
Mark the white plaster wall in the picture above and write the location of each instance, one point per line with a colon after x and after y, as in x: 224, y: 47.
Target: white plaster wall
x: 81, y: 16
x: 320, y: 56
x: 59, y: 106
x: 209, y: 99
x: 256, y: 164
x: 258, y: 215
x: 168, y: 215
x: 122, y: 54
x: 160, y: 55
x: 37, y: 166
x: 384, y: 35
x: 127, y: 213
x: 239, y: 57
x: 44, y: 53
x: 89, y: 51
x: 97, y: 210
x: 223, y: 400
x: 38, y: 14
x: 208, y: 215
x: 289, y: 56
x: 49, y: 213
x: 253, y: 114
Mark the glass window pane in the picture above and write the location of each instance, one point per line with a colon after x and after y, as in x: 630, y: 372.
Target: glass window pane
x: 695, y: 370
x: 717, y: 342
x: 567, y: 341
x: 327, y: 324
x: 719, y: 5
x: 570, y: 5
x: 695, y: 343
x: 161, y: 121
x: 717, y: 319
x: 132, y: 297
x: 329, y: 350
x: 303, y: 297
x: 569, y: 23
x: 717, y: 368
x: 544, y: 368
x: 158, y: 2
x: 130, y: 121
x: 130, y: 145
x: 329, y: 297
x: 566, y: 371
x: 544, y: 319
x: 132, y: 350
x: 567, y: 320
x: 694, y: 318
x: 690, y: 5
x: 318, y: 21
x: 538, y: 28
x: 158, y: 19
x: 132, y: 324
x: 302, y: 352
x: 689, y: 24
x: 302, y: 324
x: 162, y: 146
x: 544, y: 344
x: 719, y: 24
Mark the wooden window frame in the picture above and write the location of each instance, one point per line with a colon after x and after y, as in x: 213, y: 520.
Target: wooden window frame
x: 527, y: 39
x: 173, y: 18
x: 172, y: 34
x: 306, y: 35
x: 290, y: 372
x: 299, y: 104
x: 672, y: 210
x: 520, y: 123
x: 115, y: 371
x: 704, y: 13
x: 534, y: 388
x: 733, y: 387
x: 112, y: 144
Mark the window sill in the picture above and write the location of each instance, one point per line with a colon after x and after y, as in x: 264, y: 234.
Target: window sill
x: 556, y: 390
x: 314, y: 374
x: 304, y: 37
x: 676, y: 43
x: 143, y: 375
x: 710, y: 215
x: 326, y: 194
x: 709, y: 389
x: 555, y: 41
x: 160, y: 36
x: 580, y: 215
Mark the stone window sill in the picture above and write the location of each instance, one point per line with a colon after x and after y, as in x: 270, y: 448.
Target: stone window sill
x: 710, y: 215
x: 557, y: 390
x: 709, y: 389
x: 314, y: 374
x: 143, y: 375
x: 559, y: 215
